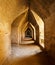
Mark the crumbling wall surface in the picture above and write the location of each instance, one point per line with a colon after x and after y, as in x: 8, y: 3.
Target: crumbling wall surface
x: 9, y: 10
x: 50, y: 32
x: 4, y: 41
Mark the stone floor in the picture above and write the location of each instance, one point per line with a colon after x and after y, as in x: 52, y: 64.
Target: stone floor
x: 27, y: 55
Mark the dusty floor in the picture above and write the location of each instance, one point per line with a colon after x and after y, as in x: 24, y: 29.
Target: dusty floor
x: 27, y: 55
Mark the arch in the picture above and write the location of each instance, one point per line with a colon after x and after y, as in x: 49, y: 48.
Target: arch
x: 25, y: 27
x: 34, y: 31
x: 41, y: 28
x: 28, y: 33
x: 24, y: 20
x: 16, y: 28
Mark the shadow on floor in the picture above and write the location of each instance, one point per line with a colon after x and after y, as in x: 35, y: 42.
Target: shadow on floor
x: 38, y: 59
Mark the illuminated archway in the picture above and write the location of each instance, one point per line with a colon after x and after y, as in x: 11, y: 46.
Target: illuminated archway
x: 16, y: 28
x: 32, y: 28
x: 41, y: 28
x: 40, y: 23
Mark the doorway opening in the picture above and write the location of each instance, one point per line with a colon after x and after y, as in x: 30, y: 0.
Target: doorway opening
x: 28, y: 33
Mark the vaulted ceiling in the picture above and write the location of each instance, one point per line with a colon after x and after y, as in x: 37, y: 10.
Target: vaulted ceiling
x: 41, y: 7
x: 11, y: 9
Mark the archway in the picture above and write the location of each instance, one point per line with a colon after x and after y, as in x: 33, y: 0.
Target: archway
x: 41, y: 28
x: 16, y: 28
x: 25, y: 27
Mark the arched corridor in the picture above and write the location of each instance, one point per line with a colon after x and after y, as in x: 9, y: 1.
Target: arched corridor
x: 27, y: 35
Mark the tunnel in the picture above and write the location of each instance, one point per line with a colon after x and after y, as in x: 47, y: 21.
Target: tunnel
x: 27, y: 32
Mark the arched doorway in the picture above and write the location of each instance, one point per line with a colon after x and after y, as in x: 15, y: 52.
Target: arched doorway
x: 28, y: 33
x: 41, y: 28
